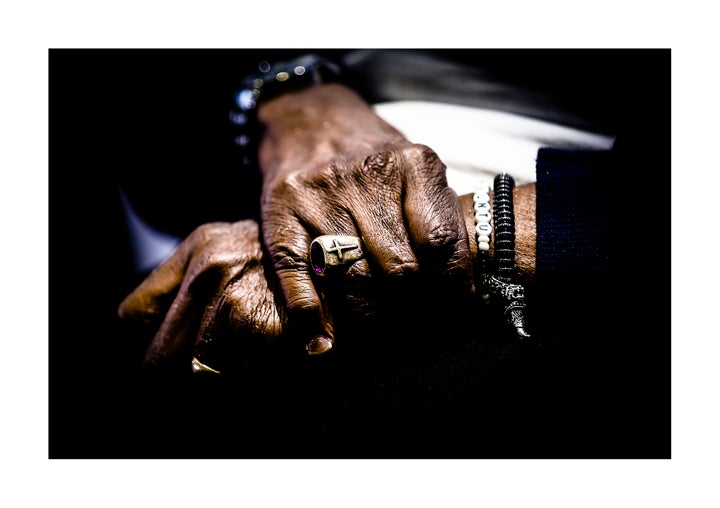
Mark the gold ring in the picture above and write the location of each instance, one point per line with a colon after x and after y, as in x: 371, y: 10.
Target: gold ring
x: 198, y: 366
x: 331, y: 252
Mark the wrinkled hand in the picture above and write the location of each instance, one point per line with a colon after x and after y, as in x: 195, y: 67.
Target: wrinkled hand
x: 397, y: 201
x: 212, y: 287
x: 331, y: 166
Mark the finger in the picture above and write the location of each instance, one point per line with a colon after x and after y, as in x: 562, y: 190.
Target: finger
x: 329, y: 222
x: 288, y: 245
x: 197, y: 300
x: 171, y: 345
x: 378, y: 212
x: 346, y: 290
x: 352, y: 295
x: 204, y: 263
x: 245, y: 315
x: 152, y: 298
x: 435, y: 221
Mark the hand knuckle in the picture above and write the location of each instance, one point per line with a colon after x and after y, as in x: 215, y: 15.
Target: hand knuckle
x: 252, y: 310
x: 285, y: 257
x: 401, y: 269
x: 422, y: 156
x: 442, y: 236
x: 381, y: 167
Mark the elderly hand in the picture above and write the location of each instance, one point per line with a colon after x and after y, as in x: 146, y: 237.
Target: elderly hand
x: 212, y: 300
x: 212, y: 287
x: 213, y: 296
x: 332, y: 166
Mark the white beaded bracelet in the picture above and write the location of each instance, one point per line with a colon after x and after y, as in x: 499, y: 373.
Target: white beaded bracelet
x: 483, y: 232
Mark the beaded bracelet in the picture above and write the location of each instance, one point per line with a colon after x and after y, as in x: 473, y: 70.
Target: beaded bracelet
x: 513, y: 295
x: 271, y: 81
x: 483, y: 233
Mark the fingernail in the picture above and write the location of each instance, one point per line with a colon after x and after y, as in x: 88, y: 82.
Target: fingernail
x: 319, y: 345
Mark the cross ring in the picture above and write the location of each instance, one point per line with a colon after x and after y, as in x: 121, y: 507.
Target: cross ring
x: 330, y: 252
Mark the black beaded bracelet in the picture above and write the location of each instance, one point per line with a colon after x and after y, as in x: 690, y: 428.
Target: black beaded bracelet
x: 501, y: 283
x: 271, y: 81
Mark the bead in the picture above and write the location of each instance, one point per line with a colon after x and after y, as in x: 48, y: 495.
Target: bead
x: 481, y: 197
x: 238, y: 118
x: 271, y: 81
x: 513, y: 295
x: 483, y: 229
x: 483, y: 216
x: 245, y: 99
x: 482, y: 206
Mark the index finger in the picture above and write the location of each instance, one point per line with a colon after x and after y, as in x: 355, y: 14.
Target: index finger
x: 288, y: 247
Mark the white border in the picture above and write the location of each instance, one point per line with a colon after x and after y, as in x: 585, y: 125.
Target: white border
x: 30, y: 479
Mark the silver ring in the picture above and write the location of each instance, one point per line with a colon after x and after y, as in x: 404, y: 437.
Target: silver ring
x: 330, y: 252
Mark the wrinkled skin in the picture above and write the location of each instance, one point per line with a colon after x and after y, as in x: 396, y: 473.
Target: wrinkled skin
x: 213, y: 296
x: 212, y: 286
x: 216, y: 287
x: 331, y: 166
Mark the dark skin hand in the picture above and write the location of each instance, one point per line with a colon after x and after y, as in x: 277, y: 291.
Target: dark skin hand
x: 332, y: 166
x: 215, y: 286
